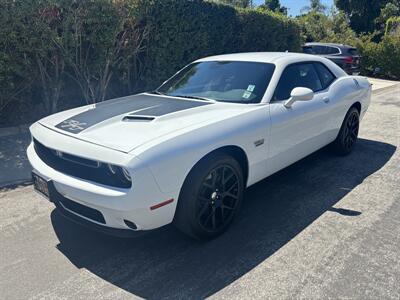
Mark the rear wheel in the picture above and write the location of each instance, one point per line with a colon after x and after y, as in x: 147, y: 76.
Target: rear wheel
x: 211, y: 197
x: 348, y: 133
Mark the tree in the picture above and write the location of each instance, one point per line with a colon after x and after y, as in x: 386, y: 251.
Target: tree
x: 237, y: 3
x: 332, y: 28
x: 274, y: 5
x: 314, y: 26
x: 99, y: 39
x: 340, y: 31
x: 315, y: 6
x: 391, y: 9
x: 362, y: 14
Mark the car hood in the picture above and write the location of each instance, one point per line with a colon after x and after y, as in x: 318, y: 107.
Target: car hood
x: 126, y: 123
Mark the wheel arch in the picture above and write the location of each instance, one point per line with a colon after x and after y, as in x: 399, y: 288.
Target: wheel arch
x: 357, y: 105
x: 234, y: 151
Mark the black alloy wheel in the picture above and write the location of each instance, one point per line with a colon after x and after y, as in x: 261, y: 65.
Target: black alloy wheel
x: 351, y: 130
x: 218, y: 198
x: 211, y: 197
x: 348, y: 133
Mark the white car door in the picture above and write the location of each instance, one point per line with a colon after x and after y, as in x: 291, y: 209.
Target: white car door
x: 305, y: 127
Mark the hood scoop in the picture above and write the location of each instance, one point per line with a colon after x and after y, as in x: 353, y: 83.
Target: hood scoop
x: 133, y: 118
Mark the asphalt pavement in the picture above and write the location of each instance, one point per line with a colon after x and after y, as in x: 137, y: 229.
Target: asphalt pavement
x: 327, y: 227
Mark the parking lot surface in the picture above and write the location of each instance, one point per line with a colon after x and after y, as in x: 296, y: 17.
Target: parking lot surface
x: 326, y: 227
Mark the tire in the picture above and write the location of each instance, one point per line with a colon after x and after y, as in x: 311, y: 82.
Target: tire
x: 211, y: 197
x: 348, y: 133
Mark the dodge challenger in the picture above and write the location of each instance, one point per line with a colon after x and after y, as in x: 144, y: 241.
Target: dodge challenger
x: 185, y: 152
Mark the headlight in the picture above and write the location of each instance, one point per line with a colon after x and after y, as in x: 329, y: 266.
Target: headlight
x: 126, y: 174
x: 113, y: 169
x: 121, y: 173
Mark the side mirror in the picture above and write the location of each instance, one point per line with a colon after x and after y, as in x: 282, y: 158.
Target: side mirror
x: 299, y: 94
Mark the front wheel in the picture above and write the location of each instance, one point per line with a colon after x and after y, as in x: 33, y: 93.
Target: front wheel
x: 348, y: 133
x: 211, y: 197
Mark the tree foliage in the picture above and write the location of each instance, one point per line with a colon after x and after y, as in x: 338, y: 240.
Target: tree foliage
x: 362, y: 13
x: 392, y: 26
x: 274, y: 5
x: 56, y: 53
x: 315, y: 26
x: 315, y: 6
x: 236, y: 3
x: 380, y: 53
x: 381, y: 59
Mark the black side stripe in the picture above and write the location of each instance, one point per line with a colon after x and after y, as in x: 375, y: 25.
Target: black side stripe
x: 147, y: 104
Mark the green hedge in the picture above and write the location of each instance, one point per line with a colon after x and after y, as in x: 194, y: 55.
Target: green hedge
x: 381, y: 59
x: 392, y: 25
x: 56, y: 54
x: 182, y: 31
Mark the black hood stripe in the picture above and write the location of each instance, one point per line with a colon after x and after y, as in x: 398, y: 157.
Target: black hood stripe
x: 147, y: 104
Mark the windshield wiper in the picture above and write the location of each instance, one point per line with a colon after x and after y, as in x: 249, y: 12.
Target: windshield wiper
x: 193, y: 97
x: 157, y: 93
x: 183, y: 96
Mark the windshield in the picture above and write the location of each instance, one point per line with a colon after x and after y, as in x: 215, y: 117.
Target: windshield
x: 227, y: 81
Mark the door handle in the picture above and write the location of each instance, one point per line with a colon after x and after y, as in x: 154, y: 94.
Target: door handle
x: 326, y: 99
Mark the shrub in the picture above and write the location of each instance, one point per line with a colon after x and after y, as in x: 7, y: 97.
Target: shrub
x: 17, y: 70
x: 99, y: 38
x: 54, y: 51
x: 381, y: 59
x: 182, y: 31
x: 392, y: 25
x: 314, y: 26
x: 264, y: 30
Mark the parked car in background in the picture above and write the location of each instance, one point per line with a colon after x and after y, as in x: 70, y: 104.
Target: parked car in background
x: 346, y: 57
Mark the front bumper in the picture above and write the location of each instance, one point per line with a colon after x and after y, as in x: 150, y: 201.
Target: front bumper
x: 64, y: 208
x: 116, y: 205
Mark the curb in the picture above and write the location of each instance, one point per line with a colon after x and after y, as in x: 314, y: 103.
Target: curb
x: 15, y: 183
x: 384, y: 89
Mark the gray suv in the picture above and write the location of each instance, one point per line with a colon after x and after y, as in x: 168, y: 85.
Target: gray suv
x: 344, y: 56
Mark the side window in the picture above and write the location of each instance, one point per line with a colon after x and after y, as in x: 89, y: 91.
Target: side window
x: 332, y: 50
x: 353, y: 51
x: 297, y: 75
x: 319, y: 49
x: 308, y: 50
x: 325, y: 75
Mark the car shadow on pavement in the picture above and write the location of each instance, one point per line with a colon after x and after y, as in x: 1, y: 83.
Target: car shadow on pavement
x: 166, y: 264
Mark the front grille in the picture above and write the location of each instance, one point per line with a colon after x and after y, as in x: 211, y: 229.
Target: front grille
x: 78, y: 167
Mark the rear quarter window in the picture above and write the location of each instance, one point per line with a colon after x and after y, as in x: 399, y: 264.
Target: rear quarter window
x: 324, y: 74
x: 353, y: 51
x: 332, y: 50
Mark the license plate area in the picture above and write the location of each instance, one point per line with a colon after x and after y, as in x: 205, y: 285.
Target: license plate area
x: 41, y: 185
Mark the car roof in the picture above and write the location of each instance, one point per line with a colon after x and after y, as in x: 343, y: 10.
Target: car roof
x: 265, y: 57
x: 329, y: 44
x: 281, y: 59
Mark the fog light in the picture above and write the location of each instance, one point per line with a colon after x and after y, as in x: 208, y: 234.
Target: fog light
x: 130, y: 224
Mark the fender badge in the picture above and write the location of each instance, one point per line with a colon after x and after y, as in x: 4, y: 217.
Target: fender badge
x: 259, y: 142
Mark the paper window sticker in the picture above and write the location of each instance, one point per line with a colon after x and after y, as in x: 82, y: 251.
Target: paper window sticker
x: 246, y: 94
x: 251, y: 87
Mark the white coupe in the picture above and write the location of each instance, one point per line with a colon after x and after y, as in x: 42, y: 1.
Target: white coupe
x: 185, y: 152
